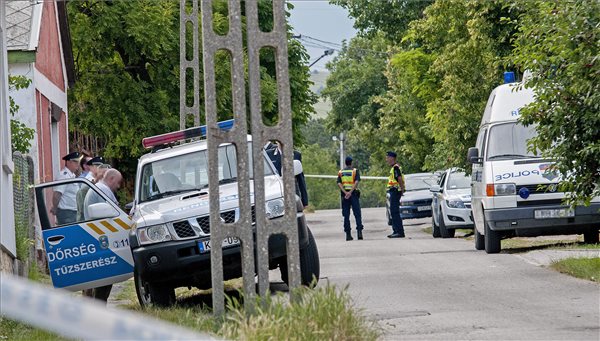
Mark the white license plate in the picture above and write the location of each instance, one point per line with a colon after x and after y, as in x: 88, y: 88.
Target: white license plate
x: 554, y: 213
x: 204, y: 245
x: 423, y: 208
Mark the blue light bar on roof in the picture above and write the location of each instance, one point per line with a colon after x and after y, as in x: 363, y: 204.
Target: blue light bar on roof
x: 179, y: 135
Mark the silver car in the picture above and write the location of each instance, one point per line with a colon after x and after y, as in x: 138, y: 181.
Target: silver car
x: 451, y: 204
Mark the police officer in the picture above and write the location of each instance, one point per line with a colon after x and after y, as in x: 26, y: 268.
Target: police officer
x: 64, y: 204
x: 395, y: 188
x: 85, y: 169
x: 347, y: 181
x: 93, y: 165
x: 274, y: 153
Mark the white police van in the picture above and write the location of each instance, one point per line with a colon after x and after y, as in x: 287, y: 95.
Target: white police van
x: 166, y: 244
x: 514, y: 192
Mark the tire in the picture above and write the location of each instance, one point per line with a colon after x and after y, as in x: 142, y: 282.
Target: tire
x: 492, y: 240
x: 152, y: 294
x: 479, y: 239
x: 591, y: 236
x: 445, y: 232
x: 435, y: 229
x: 310, y: 266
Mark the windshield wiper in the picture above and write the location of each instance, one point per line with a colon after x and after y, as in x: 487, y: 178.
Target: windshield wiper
x: 520, y: 156
x: 227, y: 181
x: 169, y: 193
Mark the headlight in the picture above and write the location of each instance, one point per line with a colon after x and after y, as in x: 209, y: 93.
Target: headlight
x: 505, y: 189
x: 275, y: 208
x: 153, y: 234
x: 455, y: 203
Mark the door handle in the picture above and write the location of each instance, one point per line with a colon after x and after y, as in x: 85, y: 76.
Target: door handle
x: 54, y: 240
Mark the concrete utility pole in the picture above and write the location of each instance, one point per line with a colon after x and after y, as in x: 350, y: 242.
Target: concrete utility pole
x: 341, y: 139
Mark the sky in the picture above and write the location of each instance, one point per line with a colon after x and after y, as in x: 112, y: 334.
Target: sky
x: 319, y: 20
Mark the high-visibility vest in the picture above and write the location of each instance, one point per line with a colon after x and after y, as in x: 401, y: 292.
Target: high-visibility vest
x: 392, y: 181
x: 347, y: 176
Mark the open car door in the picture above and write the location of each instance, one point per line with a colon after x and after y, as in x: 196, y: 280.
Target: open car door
x: 87, y: 240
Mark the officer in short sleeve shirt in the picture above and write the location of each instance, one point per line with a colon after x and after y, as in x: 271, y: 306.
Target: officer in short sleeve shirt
x: 64, y: 202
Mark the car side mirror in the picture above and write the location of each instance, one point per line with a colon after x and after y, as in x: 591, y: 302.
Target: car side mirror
x: 298, y: 167
x: 473, y: 156
x: 435, y: 189
x: 101, y: 210
x: 129, y: 206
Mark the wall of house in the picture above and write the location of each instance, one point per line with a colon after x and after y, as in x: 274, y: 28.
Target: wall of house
x: 48, y: 59
x: 7, y: 222
x: 50, y: 83
x: 27, y: 114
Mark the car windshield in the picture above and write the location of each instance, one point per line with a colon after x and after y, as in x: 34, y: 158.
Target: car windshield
x: 509, y: 141
x: 420, y: 182
x: 189, y: 172
x: 458, y: 180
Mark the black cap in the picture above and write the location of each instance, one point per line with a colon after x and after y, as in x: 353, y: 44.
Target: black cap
x: 95, y: 161
x: 72, y: 156
x: 392, y: 154
x: 348, y: 159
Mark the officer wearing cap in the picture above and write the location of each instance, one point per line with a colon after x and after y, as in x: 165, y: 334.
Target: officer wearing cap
x: 64, y: 204
x: 85, y: 169
x: 347, y: 181
x: 395, y: 188
x: 94, y: 176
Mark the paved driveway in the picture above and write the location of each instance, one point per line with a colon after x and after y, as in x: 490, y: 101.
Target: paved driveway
x: 425, y: 288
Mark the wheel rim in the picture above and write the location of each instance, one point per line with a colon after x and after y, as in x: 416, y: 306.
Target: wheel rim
x: 144, y: 291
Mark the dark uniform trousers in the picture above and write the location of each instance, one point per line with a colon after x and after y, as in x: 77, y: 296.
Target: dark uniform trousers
x: 395, y: 195
x: 353, y: 203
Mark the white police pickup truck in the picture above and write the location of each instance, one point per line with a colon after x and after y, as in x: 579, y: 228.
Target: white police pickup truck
x: 171, y: 240
x: 167, y: 242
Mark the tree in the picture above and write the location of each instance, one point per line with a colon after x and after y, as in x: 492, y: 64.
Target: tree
x: 390, y: 18
x: 558, y: 43
x: 468, y: 40
x: 127, y: 64
x: 21, y: 135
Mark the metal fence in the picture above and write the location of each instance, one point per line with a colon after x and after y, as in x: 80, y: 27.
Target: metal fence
x: 24, y: 211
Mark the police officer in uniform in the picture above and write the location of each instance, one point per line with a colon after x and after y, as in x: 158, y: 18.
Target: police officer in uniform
x: 93, y: 165
x: 64, y: 204
x: 347, y: 181
x: 395, y: 188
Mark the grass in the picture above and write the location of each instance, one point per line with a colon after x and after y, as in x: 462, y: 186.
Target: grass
x: 526, y: 243
x: 324, y: 313
x: 585, y: 268
x: 11, y: 330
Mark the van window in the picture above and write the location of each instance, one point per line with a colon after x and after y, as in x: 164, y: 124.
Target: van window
x: 509, y: 141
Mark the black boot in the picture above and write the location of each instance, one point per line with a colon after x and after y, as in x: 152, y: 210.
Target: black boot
x: 359, y: 234
x: 349, y: 236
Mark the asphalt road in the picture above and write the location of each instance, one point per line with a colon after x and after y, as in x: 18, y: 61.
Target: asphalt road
x: 424, y: 288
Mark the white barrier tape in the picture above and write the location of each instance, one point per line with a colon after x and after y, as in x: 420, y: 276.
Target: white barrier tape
x: 362, y: 177
x: 60, y: 312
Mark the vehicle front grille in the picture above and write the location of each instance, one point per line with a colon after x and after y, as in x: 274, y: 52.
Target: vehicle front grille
x: 227, y: 216
x: 422, y: 202
x: 183, y: 229
x: 540, y: 188
x: 552, y: 202
x: 204, y: 223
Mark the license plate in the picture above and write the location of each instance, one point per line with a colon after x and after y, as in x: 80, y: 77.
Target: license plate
x: 204, y: 245
x: 554, y: 213
x: 423, y: 208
